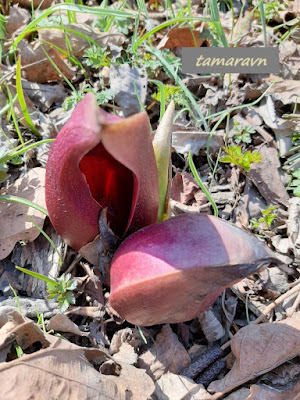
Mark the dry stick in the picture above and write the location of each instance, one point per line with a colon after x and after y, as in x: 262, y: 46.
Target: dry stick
x: 269, y: 308
x: 294, y: 306
x: 73, y: 264
x: 263, y: 315
x: 276, y: 302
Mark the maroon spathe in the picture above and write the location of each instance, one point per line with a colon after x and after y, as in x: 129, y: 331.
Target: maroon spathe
x: 98, y: 161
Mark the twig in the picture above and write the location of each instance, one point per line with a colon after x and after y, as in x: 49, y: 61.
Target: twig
x: 73, y: 264
x: 294, y: 306
x: 270, y: 307
x: 276, y: 302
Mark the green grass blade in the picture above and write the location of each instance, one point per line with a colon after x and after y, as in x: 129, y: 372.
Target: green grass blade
x: 217, y: 22
x: 16, y: 299
x: 178, y: 82
x: 48, y: 238
x: 8, y: 106
x: 20, y: 200
x: 229, y: 110
x: 22, y: 101
x: 37, y: 275
x: 13, y: 115
x: 136, y: 25
x: 200, y: 183
x: 57, y: 69
x: 31, y: 27
x: 210, y: 136
x: 15, y: 152
x: 263, y: 20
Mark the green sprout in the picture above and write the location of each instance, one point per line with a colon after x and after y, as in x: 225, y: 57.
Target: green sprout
x: 265, y: 221
x: 296, y: 183
x: 242, y: 133
x: 241, y: 160
x: 172, y: 93
x: 103, y: 96
x: 273, y: 8
x: 96, y: 57
x: 59, y: 290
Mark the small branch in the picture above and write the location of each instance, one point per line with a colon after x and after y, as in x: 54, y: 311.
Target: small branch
x: 270, y: 307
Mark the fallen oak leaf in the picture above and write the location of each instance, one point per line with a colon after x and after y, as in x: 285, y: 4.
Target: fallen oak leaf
x: 262, y: 392
x: 126, y: 82
x: 259, y: 349
x: 177, y: 387
x: 265, y: 176
x: 34, y: 3
x: 181, y: 37
x: 62, y: 323
x: 44, y: 95
x: 58, y: 368
x: 36, y: 66
x: 166, y: 354
x: 15, y: 225
x: 17, y: 18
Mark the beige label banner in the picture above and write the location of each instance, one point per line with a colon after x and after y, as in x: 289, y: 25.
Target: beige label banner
x: 246, y: 60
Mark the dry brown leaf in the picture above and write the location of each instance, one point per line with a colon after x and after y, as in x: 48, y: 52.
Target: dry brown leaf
x: 176, y: 387
x: 17, y: 17
x: 122, y: 78
x: 296, y: 6
x: 126, y: 354
x: 129, y: 335
x: 265, y: 176
x: 78, y: 43
x: 293, y: 227
x: 16, y: 328
x: 44, y: 95
x: 15, y: 225
x: 259, y: 349
x: 189, y: 139
x: 289, y: 58
x: 35, y: 3
x: 258, y: 392
x: 167, y: 354
x: 60, y: 370
x: 282, y: 128
x: 181, y: 37
x: 185, y: 190
x: 249, y: 206
x: 211, y: 326
x: 62, y: 323
x: 37, y: 68
x: 241, y: 394
x: 242, y: 28
x: 17, y: 107
x: 287, y: 91
x: 133, y: 383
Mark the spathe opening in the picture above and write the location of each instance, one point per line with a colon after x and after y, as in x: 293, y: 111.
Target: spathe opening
x: 111, y: 185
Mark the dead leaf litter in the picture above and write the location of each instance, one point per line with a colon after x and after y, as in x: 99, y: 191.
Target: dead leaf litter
x: 246, y: 346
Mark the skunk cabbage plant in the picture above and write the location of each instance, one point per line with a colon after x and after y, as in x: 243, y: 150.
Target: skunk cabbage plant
x: 172, y: 271
x: 101, y: 161
x: 168, y: 272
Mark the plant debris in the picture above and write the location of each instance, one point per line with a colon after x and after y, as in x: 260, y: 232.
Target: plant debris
x: 235, y: 153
